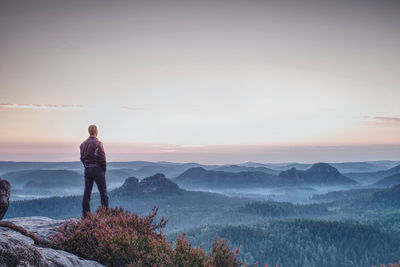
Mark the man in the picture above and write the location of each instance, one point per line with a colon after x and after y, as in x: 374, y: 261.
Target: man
x: 94, y: 161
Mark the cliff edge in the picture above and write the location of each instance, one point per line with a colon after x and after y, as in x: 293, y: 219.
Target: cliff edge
x: 19, y: 250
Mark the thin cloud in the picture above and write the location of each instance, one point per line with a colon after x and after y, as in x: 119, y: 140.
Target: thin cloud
x: 131, y: 108
x: 41, y: 106
x: 387, y: 119
x: 382, y: 119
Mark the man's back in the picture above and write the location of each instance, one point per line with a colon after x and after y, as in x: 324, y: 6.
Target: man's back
x: 92, y: 153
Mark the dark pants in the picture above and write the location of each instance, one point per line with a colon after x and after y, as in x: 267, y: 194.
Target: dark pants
x: 94, y: 174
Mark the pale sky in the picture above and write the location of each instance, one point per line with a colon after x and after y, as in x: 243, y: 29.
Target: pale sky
x: 209, y: 81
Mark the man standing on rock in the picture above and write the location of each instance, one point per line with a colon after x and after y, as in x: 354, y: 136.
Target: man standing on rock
x: 93, y: 158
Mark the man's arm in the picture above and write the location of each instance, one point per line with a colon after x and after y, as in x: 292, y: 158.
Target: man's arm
x: 81, y: 149
x: 101, y: 157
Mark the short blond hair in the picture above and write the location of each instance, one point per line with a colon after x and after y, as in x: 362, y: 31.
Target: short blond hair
x: 92, y: 129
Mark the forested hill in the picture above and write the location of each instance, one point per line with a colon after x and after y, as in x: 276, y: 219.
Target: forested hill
x: 344, y: 195
x: 373, y: 177
x: 201, y: 178
x: 388, y: 181
x: 306, y: 243
x: 389, y: 198
x: 379, y: 200
x: 271, y: 209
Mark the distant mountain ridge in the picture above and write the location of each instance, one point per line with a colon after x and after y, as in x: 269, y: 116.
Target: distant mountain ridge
x: 343, y: 167
x: 318, y: 174
x: 31, y: 179
x: 239, y: 168
x: 202, y: 178
x: 368, y: 166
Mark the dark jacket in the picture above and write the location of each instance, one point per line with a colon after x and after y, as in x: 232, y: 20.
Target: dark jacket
x: 92, y: 153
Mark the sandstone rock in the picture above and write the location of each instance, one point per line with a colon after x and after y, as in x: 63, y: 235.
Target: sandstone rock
x: 156, y: 184
x: 5, y: 190
x: 19, y: 250
x: 321, y: 174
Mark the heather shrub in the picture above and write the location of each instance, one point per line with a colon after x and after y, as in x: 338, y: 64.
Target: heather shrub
x: 186, y: 255
x: 116, y: 237
x: 391, y: 265
x: 223, y: 256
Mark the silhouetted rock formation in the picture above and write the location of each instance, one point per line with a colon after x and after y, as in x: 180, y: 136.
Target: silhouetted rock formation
x: 131, y: 184
x: 5, y: 190
x: 318, y: 174
x: 157, y: 183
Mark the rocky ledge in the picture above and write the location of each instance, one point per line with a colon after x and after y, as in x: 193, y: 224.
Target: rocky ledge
x: 19, y: 250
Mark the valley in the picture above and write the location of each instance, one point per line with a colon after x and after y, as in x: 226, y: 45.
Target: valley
x: 289, y: 218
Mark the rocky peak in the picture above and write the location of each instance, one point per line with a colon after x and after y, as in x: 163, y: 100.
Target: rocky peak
x: 131, y: 183
x: 319, y: 173
x: 323, y: 169
x: 157, y: 183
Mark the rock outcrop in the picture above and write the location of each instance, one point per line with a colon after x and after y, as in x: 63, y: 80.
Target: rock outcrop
x: 5, y: 190
x: 156, y: 184
x: 319, y: 174
x: 19, y: 250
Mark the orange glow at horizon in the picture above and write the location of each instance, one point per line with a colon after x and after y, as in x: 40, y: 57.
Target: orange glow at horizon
x: 257, y: 74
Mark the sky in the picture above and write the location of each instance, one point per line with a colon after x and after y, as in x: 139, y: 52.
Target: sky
x: 206, y: 81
